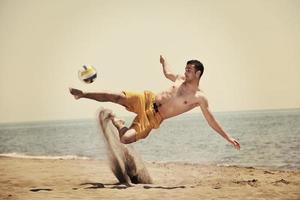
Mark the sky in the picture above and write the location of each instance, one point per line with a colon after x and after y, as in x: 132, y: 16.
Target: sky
x: 249, y: 48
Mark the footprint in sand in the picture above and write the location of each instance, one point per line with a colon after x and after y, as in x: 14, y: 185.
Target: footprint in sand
x: 40, y: 189
x: 281, y: 181
x: 267, y: 172
x: 252, y: 182
x: 93, y: 185
x: 217, y: 186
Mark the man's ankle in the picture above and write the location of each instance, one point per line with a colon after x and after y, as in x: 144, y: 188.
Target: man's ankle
x: 120, y: 126
x: 122, y: 131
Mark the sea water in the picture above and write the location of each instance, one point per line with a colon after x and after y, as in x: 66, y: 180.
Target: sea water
x: 268, y: 139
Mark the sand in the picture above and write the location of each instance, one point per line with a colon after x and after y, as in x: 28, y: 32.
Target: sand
x: 24, y: 178
x: 125, y: 163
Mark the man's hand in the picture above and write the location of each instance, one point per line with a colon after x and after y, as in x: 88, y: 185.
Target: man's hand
x: 76, y: 93
x: 162, y: 60
x: 213, y: 123
x: 235, y: 143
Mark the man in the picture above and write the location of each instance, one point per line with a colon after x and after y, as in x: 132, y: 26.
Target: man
x: 152, y: 109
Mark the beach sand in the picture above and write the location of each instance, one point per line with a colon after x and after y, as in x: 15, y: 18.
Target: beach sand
x: 26, y: 178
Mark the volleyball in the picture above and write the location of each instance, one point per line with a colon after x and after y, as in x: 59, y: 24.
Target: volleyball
x: 88, y: 74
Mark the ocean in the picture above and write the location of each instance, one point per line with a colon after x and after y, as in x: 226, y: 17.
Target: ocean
x: 269, y: 138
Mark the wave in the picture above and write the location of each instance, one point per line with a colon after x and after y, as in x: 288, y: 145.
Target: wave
x: 66, y: 157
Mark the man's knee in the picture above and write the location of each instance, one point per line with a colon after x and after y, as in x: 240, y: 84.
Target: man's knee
x: 127, y: 139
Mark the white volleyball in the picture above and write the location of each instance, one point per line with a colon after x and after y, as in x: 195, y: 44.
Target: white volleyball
x: 88, y: 74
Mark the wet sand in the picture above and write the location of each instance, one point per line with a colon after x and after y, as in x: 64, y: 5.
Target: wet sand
x: 24, y: 178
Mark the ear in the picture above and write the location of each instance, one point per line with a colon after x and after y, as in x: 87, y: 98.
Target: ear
x: 198, y: 73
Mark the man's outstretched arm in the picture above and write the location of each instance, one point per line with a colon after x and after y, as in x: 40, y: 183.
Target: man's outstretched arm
x: 213, y: 123
x: 167, y: 69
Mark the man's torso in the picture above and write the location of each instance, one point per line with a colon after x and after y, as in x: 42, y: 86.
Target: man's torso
x: 177, y: 99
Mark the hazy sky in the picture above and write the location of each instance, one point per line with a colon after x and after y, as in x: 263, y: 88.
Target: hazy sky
x: 250, y: 50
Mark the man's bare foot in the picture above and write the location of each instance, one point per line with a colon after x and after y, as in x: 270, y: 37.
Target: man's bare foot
x: 76, y: 93
x: 118, y: 123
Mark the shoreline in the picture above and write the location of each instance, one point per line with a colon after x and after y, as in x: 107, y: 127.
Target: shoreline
x: 75, y: 157
x: 26, y: 178
x: 92, y: 119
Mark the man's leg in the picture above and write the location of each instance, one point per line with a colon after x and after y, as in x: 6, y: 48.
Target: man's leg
x: 118, y: 98
x: 127, y: 135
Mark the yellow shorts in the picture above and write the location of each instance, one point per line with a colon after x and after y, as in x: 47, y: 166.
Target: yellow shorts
x: 146, y: 119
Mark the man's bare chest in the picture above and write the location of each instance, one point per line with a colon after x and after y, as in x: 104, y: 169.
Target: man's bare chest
x: 182, y: 97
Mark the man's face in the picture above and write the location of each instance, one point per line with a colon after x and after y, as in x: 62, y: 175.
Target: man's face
x: 190, y: 72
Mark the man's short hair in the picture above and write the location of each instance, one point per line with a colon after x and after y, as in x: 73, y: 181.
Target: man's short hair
x: 198, y: 65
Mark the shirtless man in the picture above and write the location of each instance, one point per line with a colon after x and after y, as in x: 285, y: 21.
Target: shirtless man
x: 152, y: 109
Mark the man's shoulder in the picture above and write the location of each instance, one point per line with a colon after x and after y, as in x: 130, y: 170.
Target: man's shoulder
x: 200, y: 93
x: 180, y: 77
x: 201, y: 96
